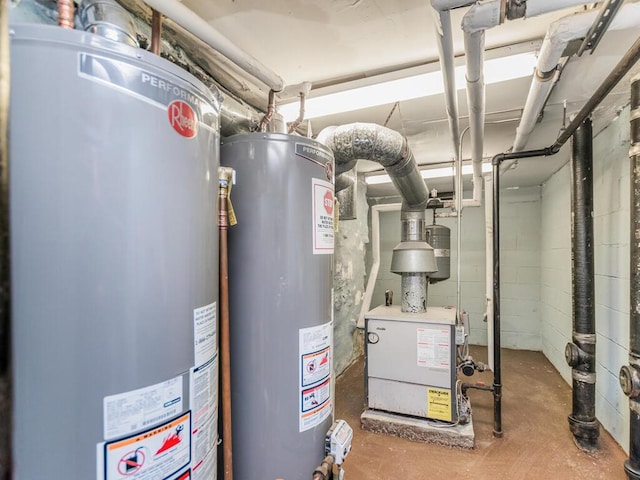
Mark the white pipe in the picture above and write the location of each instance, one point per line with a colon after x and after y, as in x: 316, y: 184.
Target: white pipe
x: 375, y: 256
x: 482, y: 16
x: 474, y: 51
x: 459, y: 194
x: 539, y: 7
x: 442, y: 5
x: 488, y: 222
x: 558, y: 36
x: 476, y: 201
x: 192, y: 22
x: 444, y: 39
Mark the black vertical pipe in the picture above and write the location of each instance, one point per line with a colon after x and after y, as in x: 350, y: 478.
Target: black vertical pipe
x: 630, y: 375
x: 581, y: 354
x: 5, y: 311
x: 497, y: 373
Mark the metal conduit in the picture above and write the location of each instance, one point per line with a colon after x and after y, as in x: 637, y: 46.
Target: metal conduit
x: 497, y: 372
x: 581, y: 354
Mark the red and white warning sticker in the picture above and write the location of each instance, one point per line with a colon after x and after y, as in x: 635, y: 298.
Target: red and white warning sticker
x: 160, y: 453
x: 323, y: 206
x: 316, y: 366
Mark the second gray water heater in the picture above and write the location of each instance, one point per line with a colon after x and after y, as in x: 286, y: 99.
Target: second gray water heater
x: 280, y: 273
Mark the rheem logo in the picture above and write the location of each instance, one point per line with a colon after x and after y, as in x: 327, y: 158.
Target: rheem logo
x: 183, y: 119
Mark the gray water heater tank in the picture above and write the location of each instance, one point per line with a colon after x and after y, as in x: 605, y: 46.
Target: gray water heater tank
x: 114, y: 156
x: 439, y: 237
x: 280, y: 273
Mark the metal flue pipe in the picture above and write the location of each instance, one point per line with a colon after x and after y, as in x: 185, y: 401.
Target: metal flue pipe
x: 630, y: 374
x: 109, y: 19
x: 387, y: 147
x: 581, y: 354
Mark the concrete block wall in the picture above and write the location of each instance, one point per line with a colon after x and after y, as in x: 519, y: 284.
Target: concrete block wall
x: 520, y: 244
x: 348, y: 281
x: 611, y: 232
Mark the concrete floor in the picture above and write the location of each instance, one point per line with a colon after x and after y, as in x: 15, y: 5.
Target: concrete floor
x: 537, y: 443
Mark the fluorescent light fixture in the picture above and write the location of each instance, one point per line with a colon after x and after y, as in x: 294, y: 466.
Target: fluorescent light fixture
x: 416, y: 86
x: 430, y: 173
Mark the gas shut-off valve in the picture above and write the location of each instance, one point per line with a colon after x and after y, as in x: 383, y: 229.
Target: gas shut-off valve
x: 337, y: 445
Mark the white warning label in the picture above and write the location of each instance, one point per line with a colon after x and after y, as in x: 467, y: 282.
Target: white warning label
x: 204, y: 333
x: 160, y: 453
x: 204, y: 431
x: 322, y: 216
x: 128, y: 412
x: 316, y: 370
x: 434, y: 348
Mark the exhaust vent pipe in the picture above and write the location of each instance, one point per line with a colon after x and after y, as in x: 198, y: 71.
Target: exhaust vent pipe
x: 108, y: 19
x: 413, y: 258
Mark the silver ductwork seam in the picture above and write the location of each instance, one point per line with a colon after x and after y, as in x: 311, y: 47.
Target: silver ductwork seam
x: 413, y: 258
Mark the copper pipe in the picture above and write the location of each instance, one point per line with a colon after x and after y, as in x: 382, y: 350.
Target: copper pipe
x: 298, y: 121
x: 271, y: 110
x: 156, y: 32
x: 65, y: 13
x: 224, y: 175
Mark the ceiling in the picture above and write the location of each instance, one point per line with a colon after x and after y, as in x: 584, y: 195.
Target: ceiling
x: 334, y: 42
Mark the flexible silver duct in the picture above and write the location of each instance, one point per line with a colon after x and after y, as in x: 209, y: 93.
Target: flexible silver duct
x: 387, y: 147
x: 413, y: 258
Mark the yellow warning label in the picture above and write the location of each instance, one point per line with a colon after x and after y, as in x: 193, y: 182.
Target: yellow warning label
x: 439, y: 404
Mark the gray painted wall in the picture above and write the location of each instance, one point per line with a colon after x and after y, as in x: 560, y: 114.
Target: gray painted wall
x: 520, y: 261
x: 611, y: 230
x: 348, y: 281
